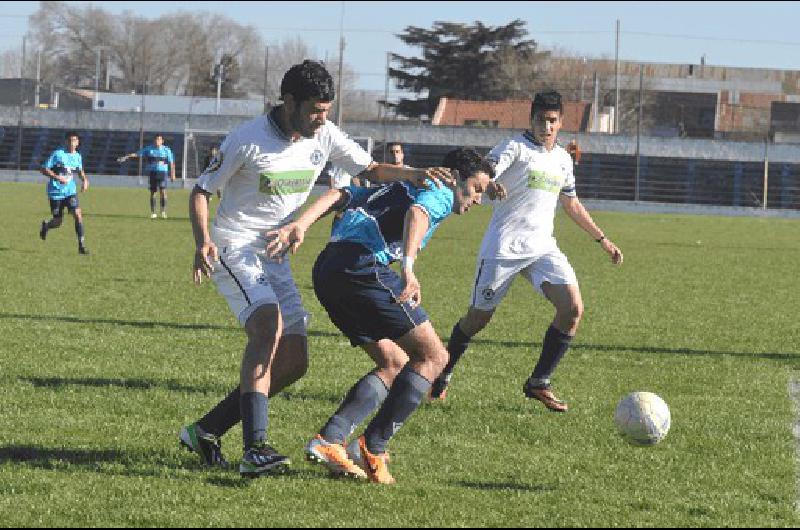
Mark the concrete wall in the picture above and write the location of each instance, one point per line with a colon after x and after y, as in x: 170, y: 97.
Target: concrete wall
x: 413, y: 132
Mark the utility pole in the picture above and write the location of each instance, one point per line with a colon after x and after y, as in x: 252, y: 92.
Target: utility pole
x: 141, y: 118
x: 596, y: 104
x: 96, y: 77
x: 219, y: 72
x: 266, y: 77
x: 339, y: 119
x: 616, y: 83
x: 639, y: 132
x: 385, y: 110
x: 21, y: 100
x: 38, y: 78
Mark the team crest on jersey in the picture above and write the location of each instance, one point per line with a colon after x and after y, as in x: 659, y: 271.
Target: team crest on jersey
x: 215, y: 163
x: 316, y: 157
x: 488, y: 294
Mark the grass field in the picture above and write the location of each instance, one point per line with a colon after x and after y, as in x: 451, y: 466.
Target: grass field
x: 103, y: 358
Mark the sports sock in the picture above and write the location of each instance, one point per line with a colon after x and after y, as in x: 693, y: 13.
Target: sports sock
x: 255, y: 418
x: 223, y: 416
x: 365, y: 396
x: 555, y: 346
x: 456, y: 346
x: 407, y: 392
x: 79, y: 232
x: 52, y: 223
x: 152, y: 204
x: 163, y: 204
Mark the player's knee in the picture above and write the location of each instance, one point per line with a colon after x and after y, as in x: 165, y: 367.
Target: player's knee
x: 263, y: 325
x: 572, y: 314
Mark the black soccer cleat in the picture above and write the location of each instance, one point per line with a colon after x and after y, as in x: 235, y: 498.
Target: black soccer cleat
x: 207, y: 446
x: 262, y: 459
x: 43, y: 231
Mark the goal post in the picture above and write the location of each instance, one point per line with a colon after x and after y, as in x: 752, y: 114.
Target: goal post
x: 197, y: 144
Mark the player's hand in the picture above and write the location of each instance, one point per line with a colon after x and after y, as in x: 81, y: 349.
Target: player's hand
x: 173, y: 178
x: 441, y: 176
x: 496, y: 191
x: 412, y: 292
x: 204, y: 257
x: 613, y: 251
x: 285, y: 239
x: 122, y: 159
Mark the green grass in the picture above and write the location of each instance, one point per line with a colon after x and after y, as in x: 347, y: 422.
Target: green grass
x: 103, y: 358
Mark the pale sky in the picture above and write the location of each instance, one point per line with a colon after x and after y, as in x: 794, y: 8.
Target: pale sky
x: 747, y: 34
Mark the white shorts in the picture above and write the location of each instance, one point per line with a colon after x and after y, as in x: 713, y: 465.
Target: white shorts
x: 494, y: 276
x: 248, y: 280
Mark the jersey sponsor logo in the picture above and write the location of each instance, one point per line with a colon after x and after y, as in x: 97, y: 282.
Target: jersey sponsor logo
x: 487, y: 294
x: 541, y: 180
x: 286, y: 182
x: 262, y: 280
x: 316, y: 157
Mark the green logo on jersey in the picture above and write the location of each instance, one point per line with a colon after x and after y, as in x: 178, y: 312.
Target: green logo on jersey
x: 541, y: 180
x: 286, y: 182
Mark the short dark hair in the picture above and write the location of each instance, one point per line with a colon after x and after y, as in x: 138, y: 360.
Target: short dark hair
x: 157, y: 135
x: 550, y: 100
x: 308, y: 80
x: 467, y: 162
x: 390, y: 144
x: 70, y: 134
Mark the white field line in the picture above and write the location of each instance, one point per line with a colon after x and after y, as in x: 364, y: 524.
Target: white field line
x: 794, y: 393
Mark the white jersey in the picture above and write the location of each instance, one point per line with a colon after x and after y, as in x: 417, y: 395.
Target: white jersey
x: 267, y: 176
x: 522, y: 223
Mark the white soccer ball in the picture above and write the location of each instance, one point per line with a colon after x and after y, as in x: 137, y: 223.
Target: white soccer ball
x: 642, y: 418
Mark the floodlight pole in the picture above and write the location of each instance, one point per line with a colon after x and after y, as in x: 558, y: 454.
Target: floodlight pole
x: 21, y: 100
x: 339, y: 94
x: 766, y: 171
x: 639, y: 133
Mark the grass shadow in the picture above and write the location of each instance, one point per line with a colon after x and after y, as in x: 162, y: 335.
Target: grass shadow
x: 504, y: 486
x: 783, y: 357
x: 116, y: 322
x: 130, y: 384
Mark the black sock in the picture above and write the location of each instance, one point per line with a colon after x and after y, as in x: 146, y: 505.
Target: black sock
x: 163, y: 204
x: 52, y: 223
x: 255, y: 418
x: 152, y: 204
x: 456, y: 346
x: 405, y: 396
x: 555, y: 346
x: 224, y: 415
x: 361, y: 401
x: 79, y: 232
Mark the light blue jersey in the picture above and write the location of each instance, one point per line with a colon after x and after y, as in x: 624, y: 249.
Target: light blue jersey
x: 158, y: 159
x: 375, y: 217
x: 63, y: 164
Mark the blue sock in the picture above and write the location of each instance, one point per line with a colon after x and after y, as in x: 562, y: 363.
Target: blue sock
x: 361, y: 401
x: 405, y: 396
x: 456, y: 346
x: 555, y: 346
x: 254, y: 418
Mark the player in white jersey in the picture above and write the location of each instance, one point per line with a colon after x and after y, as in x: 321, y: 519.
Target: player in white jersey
x: 268, y: 168
x: 535, y: 174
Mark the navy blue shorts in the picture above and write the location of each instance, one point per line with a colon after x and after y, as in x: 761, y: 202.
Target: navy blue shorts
x: 358, y: 292
x: 158, y: 180
x: 70, y: 203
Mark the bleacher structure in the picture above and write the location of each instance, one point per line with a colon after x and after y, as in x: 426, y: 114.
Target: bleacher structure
x: 599, y: 176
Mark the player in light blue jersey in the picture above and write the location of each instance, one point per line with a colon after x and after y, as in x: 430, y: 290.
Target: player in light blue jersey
x: 378, y: 309
x: 160, y: 165
x: 62, y: 192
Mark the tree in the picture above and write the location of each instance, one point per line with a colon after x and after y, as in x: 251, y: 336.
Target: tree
x: 475, y: 62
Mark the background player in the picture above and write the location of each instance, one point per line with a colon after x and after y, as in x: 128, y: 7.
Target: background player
x: 160, y: 166
x: 536, y: 173
x: 62, y: 192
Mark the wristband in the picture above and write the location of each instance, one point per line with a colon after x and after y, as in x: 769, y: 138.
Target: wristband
x: 408, y: 263
x: 601, y: 239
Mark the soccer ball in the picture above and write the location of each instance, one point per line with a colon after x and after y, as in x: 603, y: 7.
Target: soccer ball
x: 642, y: 418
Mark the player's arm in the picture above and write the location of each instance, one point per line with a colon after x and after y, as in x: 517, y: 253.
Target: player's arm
x: 578, y: 213
x: 84, y: 180
x: 289, y: 237
x: 127, y: 157
x: 383, y: 173
x: 47, y: 170
x: 416, y: 226
x: 171, y: 166
x: 206, y: 250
